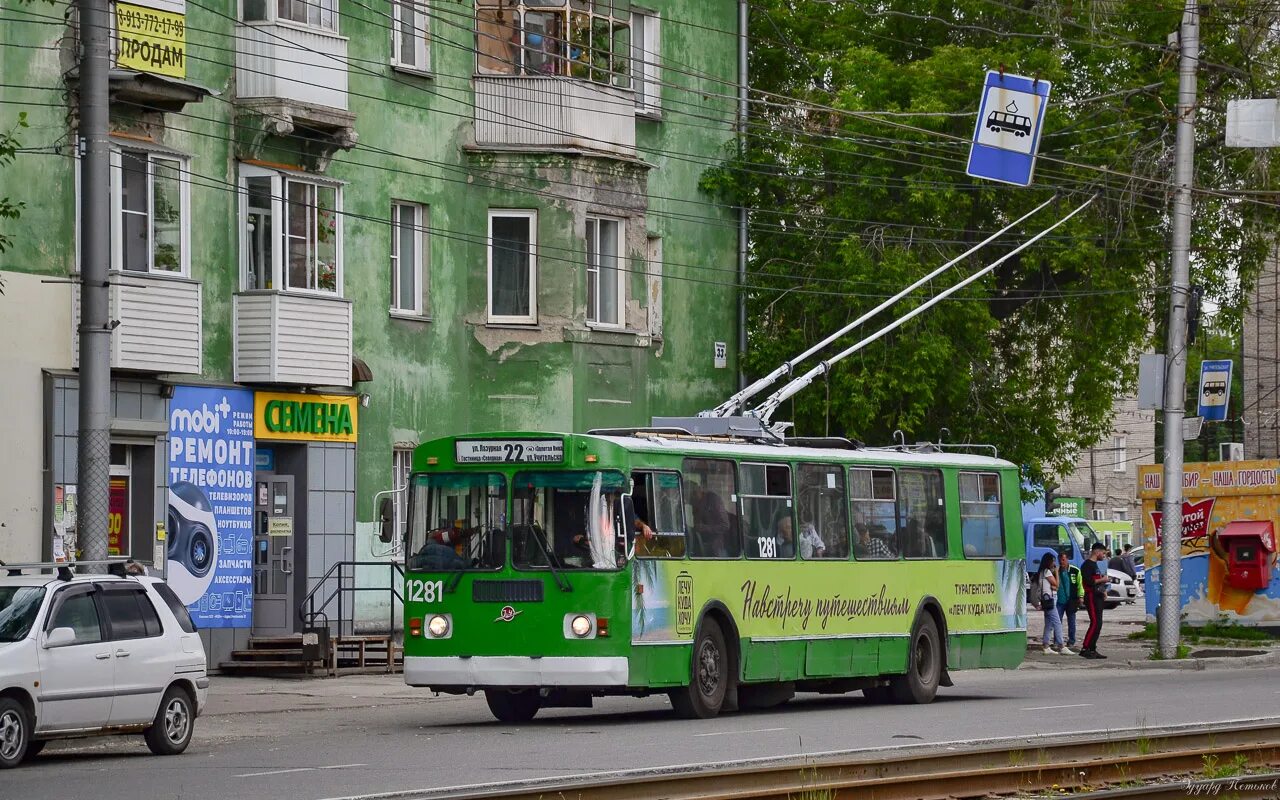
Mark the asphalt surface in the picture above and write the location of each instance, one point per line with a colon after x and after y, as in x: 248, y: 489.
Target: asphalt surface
x: 362, y: 736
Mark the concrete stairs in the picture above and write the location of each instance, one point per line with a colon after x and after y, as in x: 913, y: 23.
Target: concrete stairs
x: 346, y: 655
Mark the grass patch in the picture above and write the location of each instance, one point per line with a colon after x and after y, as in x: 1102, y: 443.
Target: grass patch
x: 1229, y: 769
x: 1184, y: 651
x: 1219, y: 632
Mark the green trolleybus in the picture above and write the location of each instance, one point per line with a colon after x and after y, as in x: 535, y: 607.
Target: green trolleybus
x: 548, y: 569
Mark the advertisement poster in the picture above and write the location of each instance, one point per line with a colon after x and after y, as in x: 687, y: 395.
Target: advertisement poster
x: 117, y: 516
x: 151, y: 40
x: 1215, y: 494
x: 210, y: 519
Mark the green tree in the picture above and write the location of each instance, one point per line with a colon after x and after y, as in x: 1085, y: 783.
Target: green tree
x: 854, y: 173
x: 9, y: 209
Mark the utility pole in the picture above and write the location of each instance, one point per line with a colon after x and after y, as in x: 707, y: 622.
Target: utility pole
x: 93, y: 464
x: 1170, y: 618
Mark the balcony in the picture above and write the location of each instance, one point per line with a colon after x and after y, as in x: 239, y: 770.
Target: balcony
x: 554, y: 113
x: 160, y: 326
x: 292, y: 339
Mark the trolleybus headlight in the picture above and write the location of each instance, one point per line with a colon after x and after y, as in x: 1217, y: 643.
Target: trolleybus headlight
x: 581, y: 626
x: 438, y: 626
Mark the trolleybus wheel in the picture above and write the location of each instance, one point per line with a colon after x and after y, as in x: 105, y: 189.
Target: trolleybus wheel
x: 513, y: 705
x: 924, y: 666
x: 709, y: 676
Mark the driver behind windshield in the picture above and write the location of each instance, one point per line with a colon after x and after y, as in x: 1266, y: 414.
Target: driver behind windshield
x: 442, y: 550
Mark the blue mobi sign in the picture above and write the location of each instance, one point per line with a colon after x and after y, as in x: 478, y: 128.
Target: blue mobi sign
x: 210, y: 519
x: 1006, y: 136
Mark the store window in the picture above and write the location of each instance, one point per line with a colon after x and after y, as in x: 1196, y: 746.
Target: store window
x: 321, y: 14
x: 513, y: 267
x: 588, y: 39
x: 605, y: 286
x: 408, y: 236
x: 409, y: 33
x: 291, y: 232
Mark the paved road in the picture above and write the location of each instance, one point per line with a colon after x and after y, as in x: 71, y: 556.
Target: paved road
x: 409, y: 741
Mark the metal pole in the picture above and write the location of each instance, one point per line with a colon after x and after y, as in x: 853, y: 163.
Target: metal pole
x: 1176, y: 364
x: 93, y: 465
x: 743, y: 69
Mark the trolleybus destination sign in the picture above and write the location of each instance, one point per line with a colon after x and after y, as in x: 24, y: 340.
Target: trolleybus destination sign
x: 509, y: 451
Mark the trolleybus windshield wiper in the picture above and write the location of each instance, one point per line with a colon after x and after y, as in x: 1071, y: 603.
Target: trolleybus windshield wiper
x: 561, y: 581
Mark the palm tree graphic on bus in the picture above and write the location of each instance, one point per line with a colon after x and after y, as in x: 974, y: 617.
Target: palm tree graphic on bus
x: 1009, y: 120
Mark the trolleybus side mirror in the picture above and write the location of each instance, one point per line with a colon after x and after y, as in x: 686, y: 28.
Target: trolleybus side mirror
x: 386, y: 520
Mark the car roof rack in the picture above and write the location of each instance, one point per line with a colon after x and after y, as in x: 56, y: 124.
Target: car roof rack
x: 65, y: 569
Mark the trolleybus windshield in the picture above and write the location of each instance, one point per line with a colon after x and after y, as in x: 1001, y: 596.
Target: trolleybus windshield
x: 456, y: 522
x: 567, y: 520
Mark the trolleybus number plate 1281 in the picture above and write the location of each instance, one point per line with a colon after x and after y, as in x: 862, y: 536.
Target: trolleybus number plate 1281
x: 513, y: 451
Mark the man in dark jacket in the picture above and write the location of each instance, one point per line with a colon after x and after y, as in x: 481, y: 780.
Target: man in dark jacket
x: 1093, y: 576
x: 1069, y: 591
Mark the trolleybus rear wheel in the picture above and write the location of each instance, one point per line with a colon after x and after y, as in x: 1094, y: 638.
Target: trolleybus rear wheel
x: 513, y: 705
x: 924, y: 666
x: 709, y: 676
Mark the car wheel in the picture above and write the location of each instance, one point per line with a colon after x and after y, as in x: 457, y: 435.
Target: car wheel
x: 15, y: 732
x: 708, y: 676
x: 171, y: 731
x: 924, y: 666
x: 513, y: 706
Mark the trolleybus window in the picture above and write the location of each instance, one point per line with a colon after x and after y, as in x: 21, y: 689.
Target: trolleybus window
x: 766, y: 511
x: 456, y: 522
x: 873, y: 497
x: 981, y: 527
x: 824, y: 528
x: 713, y: 500
x: 658, y: 504
x: 923, y: 513
x: 567, y: 520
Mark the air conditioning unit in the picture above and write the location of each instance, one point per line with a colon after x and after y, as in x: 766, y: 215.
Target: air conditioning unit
x: 1231, y: 451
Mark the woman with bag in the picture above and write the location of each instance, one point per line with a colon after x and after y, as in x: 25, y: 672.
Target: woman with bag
x: 1047, y: 580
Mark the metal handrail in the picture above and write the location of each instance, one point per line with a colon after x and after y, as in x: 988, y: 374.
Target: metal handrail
x: 308, y: 612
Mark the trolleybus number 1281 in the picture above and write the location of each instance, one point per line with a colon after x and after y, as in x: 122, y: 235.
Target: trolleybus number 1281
x: 420, y: 591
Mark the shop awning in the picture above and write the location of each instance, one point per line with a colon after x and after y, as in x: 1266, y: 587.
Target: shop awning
x: 1254, y: 529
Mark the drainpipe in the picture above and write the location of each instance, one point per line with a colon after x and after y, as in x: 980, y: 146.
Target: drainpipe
x: 742, y: 211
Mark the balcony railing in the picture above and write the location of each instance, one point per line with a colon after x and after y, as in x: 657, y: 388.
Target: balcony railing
x: 553, y: 112
x: 292, y: 338
x: 289, y: 62
x: 161, y: 328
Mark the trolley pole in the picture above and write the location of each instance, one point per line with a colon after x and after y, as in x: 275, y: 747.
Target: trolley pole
x: 93, y: 464
x: 1170, y: 616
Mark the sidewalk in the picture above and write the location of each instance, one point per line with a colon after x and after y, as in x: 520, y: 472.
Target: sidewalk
x: 235, y: 695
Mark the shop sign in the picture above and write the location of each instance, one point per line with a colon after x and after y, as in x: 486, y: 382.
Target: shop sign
x: 211, y: 504
x: 150, y: 40
x: 1215, y: 477
x: 1068, y: 507
x: 117, y: 515
x: 305, y: 417
x: 1195, y: 519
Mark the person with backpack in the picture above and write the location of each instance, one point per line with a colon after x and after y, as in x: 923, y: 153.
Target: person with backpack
x: 1069, y: 593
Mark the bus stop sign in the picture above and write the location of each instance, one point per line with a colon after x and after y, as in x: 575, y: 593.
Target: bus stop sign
x: 1215, y: 390
x: 1007, y: 134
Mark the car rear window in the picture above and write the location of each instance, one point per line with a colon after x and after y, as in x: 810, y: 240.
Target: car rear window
x: 175, y: 605
x: 131, y: 614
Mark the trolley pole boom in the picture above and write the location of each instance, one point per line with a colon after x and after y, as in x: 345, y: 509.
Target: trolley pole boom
x: 766, y: 409
x: 739, y: 399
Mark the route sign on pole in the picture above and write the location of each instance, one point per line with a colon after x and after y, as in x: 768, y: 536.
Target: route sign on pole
x: 1215, y: 390
x: 1007, y: 134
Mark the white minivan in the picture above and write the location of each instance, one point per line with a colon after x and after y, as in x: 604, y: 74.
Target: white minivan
x: 84, y: 655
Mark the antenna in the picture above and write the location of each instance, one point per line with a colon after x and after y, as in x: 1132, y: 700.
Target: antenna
x: 737, y: 402
x: 766, y: 409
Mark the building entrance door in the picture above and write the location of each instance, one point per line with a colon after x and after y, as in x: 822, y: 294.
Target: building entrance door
x: 273, y: 541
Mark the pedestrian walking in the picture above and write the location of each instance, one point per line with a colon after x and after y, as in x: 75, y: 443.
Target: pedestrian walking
x: 1068, y: 596
x: 1093, y: 576
x: 1048, y: 583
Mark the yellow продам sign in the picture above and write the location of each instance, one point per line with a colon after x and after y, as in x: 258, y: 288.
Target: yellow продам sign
x: 150, y: 40
x: 304, y: 417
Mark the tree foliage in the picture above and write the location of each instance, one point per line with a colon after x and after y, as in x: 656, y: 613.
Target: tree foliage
x: 853, y: 170
x: 9, y: 209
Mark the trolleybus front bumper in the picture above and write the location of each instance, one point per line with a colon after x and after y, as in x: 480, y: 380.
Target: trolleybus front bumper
x: 481, y: 671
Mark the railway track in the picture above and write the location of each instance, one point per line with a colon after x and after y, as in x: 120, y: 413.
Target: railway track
x: 1120, y: 764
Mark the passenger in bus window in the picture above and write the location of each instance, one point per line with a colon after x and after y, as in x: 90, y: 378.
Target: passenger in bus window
x: 869, y: 546
x: 710, y: 522
x: 919, y: 542
x: 785, y: 536
x: 811, y: 544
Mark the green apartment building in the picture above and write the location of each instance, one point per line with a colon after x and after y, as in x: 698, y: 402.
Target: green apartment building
x: 421, y: 216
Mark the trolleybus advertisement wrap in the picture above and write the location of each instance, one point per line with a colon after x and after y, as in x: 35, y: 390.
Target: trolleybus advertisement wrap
x: 210, y: 519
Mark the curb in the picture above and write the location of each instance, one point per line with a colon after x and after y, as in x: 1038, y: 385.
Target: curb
x: 1267, y: 659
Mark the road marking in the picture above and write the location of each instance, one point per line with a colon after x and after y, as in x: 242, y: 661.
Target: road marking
x: 297, y: 769
x: 1054, y: 708
x: 735, y: 733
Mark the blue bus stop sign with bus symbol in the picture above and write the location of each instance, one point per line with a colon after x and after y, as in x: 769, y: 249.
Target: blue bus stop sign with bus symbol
x: 1215, y: 390
x: 1007, y: 134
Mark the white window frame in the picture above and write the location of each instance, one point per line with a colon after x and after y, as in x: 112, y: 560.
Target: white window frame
x: 646, y: 69
x: 510, y: 319
x: 1099, y: 515
x: 117, y: 209
x: 418, y: 224
x: 328, y: 15
x: 421, y: 45
x: 279, y: 183
x: 401, y: 469
x: 1120, y: 450
x: 593, y: 314
x: 1119, y: 515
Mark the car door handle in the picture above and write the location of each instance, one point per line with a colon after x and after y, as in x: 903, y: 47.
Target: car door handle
x: 102, y: 656
x: 122, y: 654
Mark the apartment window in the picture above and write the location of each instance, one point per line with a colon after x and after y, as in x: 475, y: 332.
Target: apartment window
x: 589, y: 39
x: 409, y: 34
x: 1119, y: 515
x: 513, y: 267
x: 150, y: 198
x: 314, y: 13
x: 644, y: 62
x: 605, y: 298
x: 401, y: 466
x: 291, y: 232
x: 1120, y: 449
x: 1099, y: 515
x: 408, y: 291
